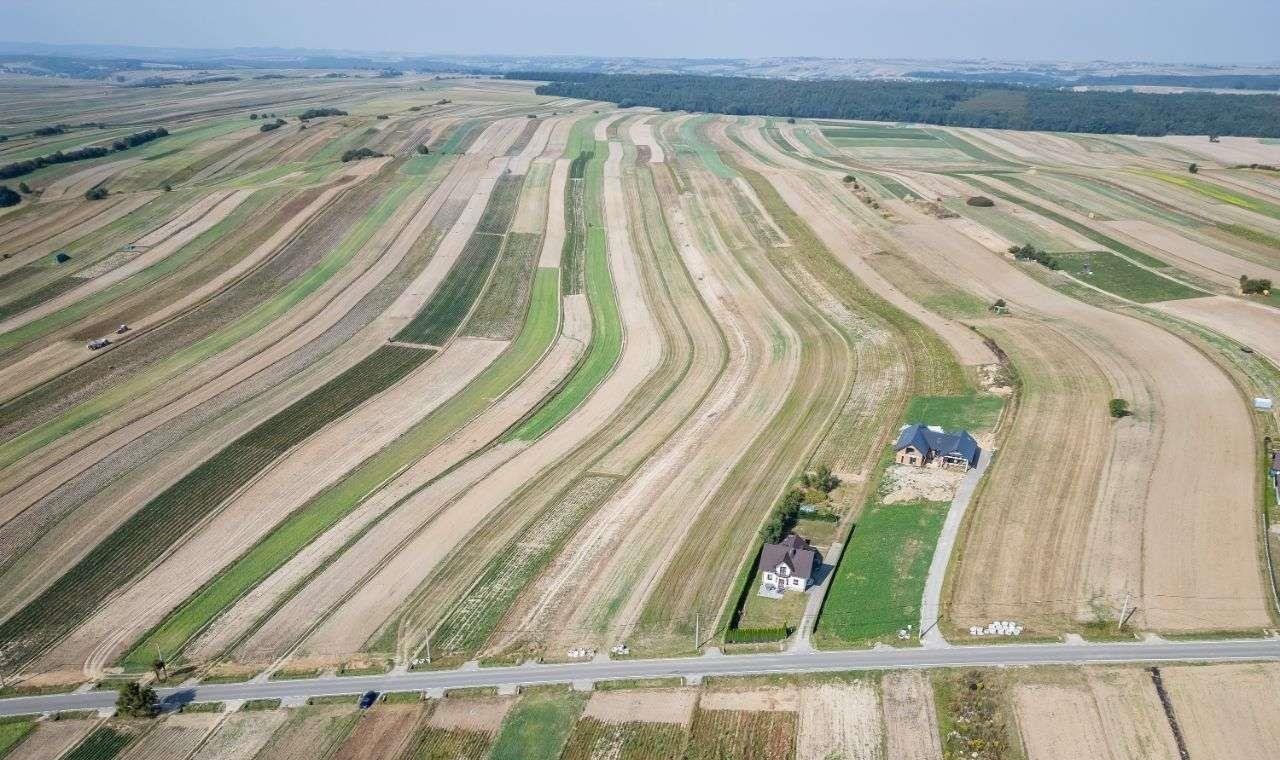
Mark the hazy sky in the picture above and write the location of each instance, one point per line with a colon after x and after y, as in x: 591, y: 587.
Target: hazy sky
x: 1119, y: 30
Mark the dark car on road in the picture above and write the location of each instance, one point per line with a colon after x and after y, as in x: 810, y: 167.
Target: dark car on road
x: 367, y: 699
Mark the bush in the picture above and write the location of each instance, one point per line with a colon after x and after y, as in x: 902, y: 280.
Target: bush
x: 1119, y: 408
x: 1260, y: 287
x: 56, y: 129
x: 756, y: 635
x: 981, y: 201
x: 849, y: 179
x: 24, y: 188
x: 8, y: 197
x: 96, y: 193
x: 423, y: 150
x: 253, y: 117
x: 278, y: 123
x: 1031, y: 253
x: 382, y: 117
x: 1194, y: 169
x: 133, y: 700
x: 316, y: 113
x: 360, y: 153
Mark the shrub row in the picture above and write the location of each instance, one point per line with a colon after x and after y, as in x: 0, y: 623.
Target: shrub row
x: 19, y: 168
x: 757, y: 635
x: 1031, y: 253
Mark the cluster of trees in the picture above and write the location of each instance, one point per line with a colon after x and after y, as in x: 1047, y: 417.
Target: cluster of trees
x: 139, y: 138
x: 316, y: 113
x: 133, y: 700
x: 1119, y: 408
x: 980, y: 201
x: 19, y: 168
x: 1252, y: 287
x: 278, y: 123
x: 56, y: 129
x: 1031, y: 253
x: 8, y: 197
x: 951, y: 103
x: 423, y: 149
x: 96, y: 193
x: 356, y: 154
x: 811, y: 488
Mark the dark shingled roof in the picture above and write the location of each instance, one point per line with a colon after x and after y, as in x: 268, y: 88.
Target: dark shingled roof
x: 794, y: 551
x: 942, y: 444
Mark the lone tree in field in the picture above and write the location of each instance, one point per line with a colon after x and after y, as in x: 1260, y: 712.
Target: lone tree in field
x: 133, y: 700
x: 95, y: 193
x: 850, y: 179
x: 423, y: 149
x: 1119, y: 408
x: 1194, y: 168
x: 8, y: 197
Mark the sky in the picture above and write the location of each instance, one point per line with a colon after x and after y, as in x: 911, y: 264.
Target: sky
x: 1227, y: 31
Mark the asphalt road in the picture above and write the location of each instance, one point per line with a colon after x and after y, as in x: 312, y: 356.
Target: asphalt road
x: 690, y: 667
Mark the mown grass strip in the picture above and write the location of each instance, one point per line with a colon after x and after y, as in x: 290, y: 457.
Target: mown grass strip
x: 460, y: 137
x: 129, y: 549
x: 436, y: 322
x: 327, y: 508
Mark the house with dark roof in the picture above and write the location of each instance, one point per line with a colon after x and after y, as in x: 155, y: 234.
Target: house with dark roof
x: 788, y: 565
x: 927, y: 445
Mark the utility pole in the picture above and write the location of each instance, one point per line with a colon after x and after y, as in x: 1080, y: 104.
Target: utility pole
x: 1124, y: 612
x: 697, y: 629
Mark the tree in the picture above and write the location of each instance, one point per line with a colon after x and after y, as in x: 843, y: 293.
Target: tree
x: 24, y: 188
x: 1194, y: 168
x: 159, y: 667
x: 423, y: 149
x: 167, y: 187
x: 849, y: 179
x: 8, y: 197
x: 1119, y: 408
x: 96, y: 193
x: 133, y: 700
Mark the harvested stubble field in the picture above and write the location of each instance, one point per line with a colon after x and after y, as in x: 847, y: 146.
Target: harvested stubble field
x: 539, y: 389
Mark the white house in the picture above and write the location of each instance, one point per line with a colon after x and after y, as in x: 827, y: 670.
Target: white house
x: 787, y: 566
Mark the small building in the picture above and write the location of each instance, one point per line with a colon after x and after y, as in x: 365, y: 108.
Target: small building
x: 788, y: 565
x: 1262, y: 404
x: 928, y: 445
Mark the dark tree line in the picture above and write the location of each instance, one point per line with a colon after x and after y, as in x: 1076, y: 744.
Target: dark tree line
x: 19, y: 168
x: 315, y: 113
x: 960, y: 104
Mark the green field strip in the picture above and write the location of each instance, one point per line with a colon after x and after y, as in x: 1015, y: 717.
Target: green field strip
x: 242, y: 328
x: 104, y: 743
x: 1250, y: 234
x: 538, y: 726
x: 163, y: 520
x: 501, y: 207
x: 453, y: 301
x: 706, y: 152
x: 606, y: 323
x: 631, y: 740
x: 1217, y: 192
x: 37, y: 297
x: 506, y: 299
x: 324, y: 510
x: 12, y: 732
x: 878, y: 142
x: 857, y: 132
x: 969, y: 149
x: 460, y: 137
x: 1017, y: 230
x: 1131, y: 202
x: 333, y: 150
x: 1121, y: 277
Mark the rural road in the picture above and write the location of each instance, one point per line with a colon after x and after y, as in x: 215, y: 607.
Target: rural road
x: 695, y: 668
x: 931, y: 636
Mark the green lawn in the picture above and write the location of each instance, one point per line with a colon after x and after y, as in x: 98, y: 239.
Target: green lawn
x: 879, y: 583
x: 972, y: 411
x: 538, y: 726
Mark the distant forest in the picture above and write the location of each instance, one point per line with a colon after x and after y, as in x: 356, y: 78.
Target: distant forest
x: 958, y: 104
x: 1258, y: 82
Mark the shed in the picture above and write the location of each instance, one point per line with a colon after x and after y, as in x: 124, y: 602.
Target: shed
x: 1262, y: 404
